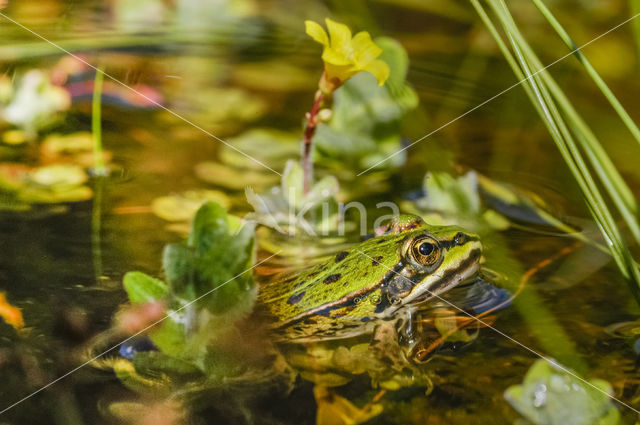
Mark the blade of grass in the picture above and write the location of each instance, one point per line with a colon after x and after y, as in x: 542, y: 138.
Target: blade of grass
x: 96, y: 125
x: 538, y: 93
x: 617, y: 189
x: 100, y: 172
x: 557, y: 126
x: 567, y: 108
x: 613, y: 100
x: 634, y: 8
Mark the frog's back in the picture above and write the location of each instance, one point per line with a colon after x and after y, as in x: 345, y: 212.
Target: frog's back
x: 336, y: 287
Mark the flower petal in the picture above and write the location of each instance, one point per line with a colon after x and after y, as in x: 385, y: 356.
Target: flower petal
x: 364, y: 49
x: 330, y: 55
x: 315, y: 31
x: 379, y: 69
x: 340, y: 72
x: 340, y: 36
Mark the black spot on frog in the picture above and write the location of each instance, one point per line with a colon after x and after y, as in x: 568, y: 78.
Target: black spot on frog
x: 332, y: 278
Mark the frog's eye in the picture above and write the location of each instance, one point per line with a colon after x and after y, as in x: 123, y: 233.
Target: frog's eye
x: 425, y: 251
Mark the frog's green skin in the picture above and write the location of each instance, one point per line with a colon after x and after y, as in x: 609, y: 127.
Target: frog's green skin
x: 379, y: 279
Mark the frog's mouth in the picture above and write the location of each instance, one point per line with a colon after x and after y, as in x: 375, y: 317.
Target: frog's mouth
x: 438, y: 283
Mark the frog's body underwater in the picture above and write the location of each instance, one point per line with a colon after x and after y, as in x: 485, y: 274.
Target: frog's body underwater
x: 382, y: 279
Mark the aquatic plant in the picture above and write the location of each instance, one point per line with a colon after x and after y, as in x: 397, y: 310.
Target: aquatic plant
x: 32, y: 102
x: 96, y: 125
x: 343, y: 58
x: 549, y: 395
x: 574, y: 139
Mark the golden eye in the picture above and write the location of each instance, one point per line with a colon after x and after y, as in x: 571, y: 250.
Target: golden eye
x: 425, y: 251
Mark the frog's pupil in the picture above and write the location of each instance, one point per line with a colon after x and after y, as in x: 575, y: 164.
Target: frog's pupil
x: 425, y: 248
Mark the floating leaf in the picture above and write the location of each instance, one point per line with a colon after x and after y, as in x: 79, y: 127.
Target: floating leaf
x: 76, y: 148
x: 59, y: 176
x: 232, y: 178
x: 448, y: 194
x: 183, y: 206
x: 14, y: 137
x: 269, y: 146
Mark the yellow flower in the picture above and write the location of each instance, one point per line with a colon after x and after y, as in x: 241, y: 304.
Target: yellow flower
x: 344, y: 56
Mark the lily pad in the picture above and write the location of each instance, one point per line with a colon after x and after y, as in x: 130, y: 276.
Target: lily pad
x: 233, y: 178
x: 59, y: 176
x: 75, y: 147
x: 269, y: 146
x: 14, y: 137
x: 183, y: 206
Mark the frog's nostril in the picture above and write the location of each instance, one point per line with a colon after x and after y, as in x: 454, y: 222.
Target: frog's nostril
x: 460, y: 238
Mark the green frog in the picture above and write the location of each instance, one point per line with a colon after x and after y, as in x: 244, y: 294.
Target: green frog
x: 382, y: 280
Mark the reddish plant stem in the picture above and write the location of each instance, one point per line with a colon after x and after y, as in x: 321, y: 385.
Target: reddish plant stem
x: 309, y: 131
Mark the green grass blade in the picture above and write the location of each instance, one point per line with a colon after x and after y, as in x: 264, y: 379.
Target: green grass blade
x: 634, y: 7
x: 616, y: 187
x: 542, y: 90
x: 96, y: 125
x: 613, y: 100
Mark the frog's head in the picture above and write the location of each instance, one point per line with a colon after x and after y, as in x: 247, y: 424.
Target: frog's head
x: 433, y: 259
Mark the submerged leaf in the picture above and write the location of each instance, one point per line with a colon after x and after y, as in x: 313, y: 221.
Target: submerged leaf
x: 552, y: 396
x: 11, y: 314
x: 334, y: 409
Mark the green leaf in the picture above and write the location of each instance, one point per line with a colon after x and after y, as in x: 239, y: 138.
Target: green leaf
x: 292, y: 183
x: 209, y: 226
x: 170, y: 338
x: 551, y: 395
x: 143, y: 288
x: 448, y: 194
x: 178, y: 263
x: 215, y: 261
